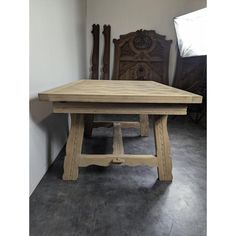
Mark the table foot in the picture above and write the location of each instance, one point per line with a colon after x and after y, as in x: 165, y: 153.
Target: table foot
x: 74, y: 147
x: 162, y: 144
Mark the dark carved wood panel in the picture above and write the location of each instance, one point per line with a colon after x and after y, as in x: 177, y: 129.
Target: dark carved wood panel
x: 142, y: 55
x: 95, y: 53
x: 190, y: 75
x: 106, y: 54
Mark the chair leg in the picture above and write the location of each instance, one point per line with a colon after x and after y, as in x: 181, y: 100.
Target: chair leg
x: 144, y: 125
x: 88, y: 129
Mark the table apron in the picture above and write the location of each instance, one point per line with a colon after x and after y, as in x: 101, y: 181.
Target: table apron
x: 119, y: 108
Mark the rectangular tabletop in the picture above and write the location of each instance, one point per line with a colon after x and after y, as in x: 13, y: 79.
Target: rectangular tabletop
x: 119, y: 91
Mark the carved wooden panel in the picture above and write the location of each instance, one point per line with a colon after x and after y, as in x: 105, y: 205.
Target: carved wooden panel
x: 106, y: 54
x: 95, y: 53
x: 190, y: 75
x: 142, y: 55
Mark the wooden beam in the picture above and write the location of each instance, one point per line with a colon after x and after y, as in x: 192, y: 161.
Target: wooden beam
x: 119, y: 108
x: 117, y: 139
x: 124, y: 159
x: 123, y: 124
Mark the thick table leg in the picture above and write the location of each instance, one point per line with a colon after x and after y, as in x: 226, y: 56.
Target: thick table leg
x: 163, y: 148
x: 74, y: 147
x: 144, y: 125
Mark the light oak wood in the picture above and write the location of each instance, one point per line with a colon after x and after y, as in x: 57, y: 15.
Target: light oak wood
x: 119, y: 108
x: 163, y: 149
x: 144, y: 125
x: 74, y: 147
x: 119, y: 97
x: 123, y: 124
x: 117, y: 139
x: 125, y: 159
x: 118, y: 91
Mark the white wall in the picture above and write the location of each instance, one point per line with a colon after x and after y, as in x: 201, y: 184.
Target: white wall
x: 57, y: 56
x: 126, y: 16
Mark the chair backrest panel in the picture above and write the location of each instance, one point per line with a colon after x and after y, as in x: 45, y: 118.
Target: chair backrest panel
x: 142, y: 55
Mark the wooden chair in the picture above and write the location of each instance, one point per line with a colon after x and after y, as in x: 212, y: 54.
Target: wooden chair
x: 106, y: 54
x: 142, y: 55
x: 88, y: 127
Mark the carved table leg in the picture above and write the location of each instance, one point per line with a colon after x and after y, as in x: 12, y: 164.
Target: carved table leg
x: 74, y: 147
x: 163, y: 148
x: 144, y: 125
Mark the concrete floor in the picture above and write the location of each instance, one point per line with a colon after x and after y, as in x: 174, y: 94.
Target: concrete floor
x: 120, y: 200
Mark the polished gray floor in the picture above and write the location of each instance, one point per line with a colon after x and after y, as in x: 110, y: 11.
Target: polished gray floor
x: 119, y: 200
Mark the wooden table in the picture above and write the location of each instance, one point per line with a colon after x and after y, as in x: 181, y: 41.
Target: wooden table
x: 118, y: 97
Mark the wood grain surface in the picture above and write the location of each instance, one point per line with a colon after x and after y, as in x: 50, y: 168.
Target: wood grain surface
x: 162, y: 144
x: 119, y: 108
x: 74, y: 147
x: 126, y: 159
x: 118, y: 91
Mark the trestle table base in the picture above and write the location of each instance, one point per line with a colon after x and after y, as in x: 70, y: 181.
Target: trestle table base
x: 75, y: 159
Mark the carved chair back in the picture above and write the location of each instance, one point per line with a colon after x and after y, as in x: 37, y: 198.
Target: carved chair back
x: 142, y: 55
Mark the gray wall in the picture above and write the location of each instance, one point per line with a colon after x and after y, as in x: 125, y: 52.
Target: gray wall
x: 57, y: 56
